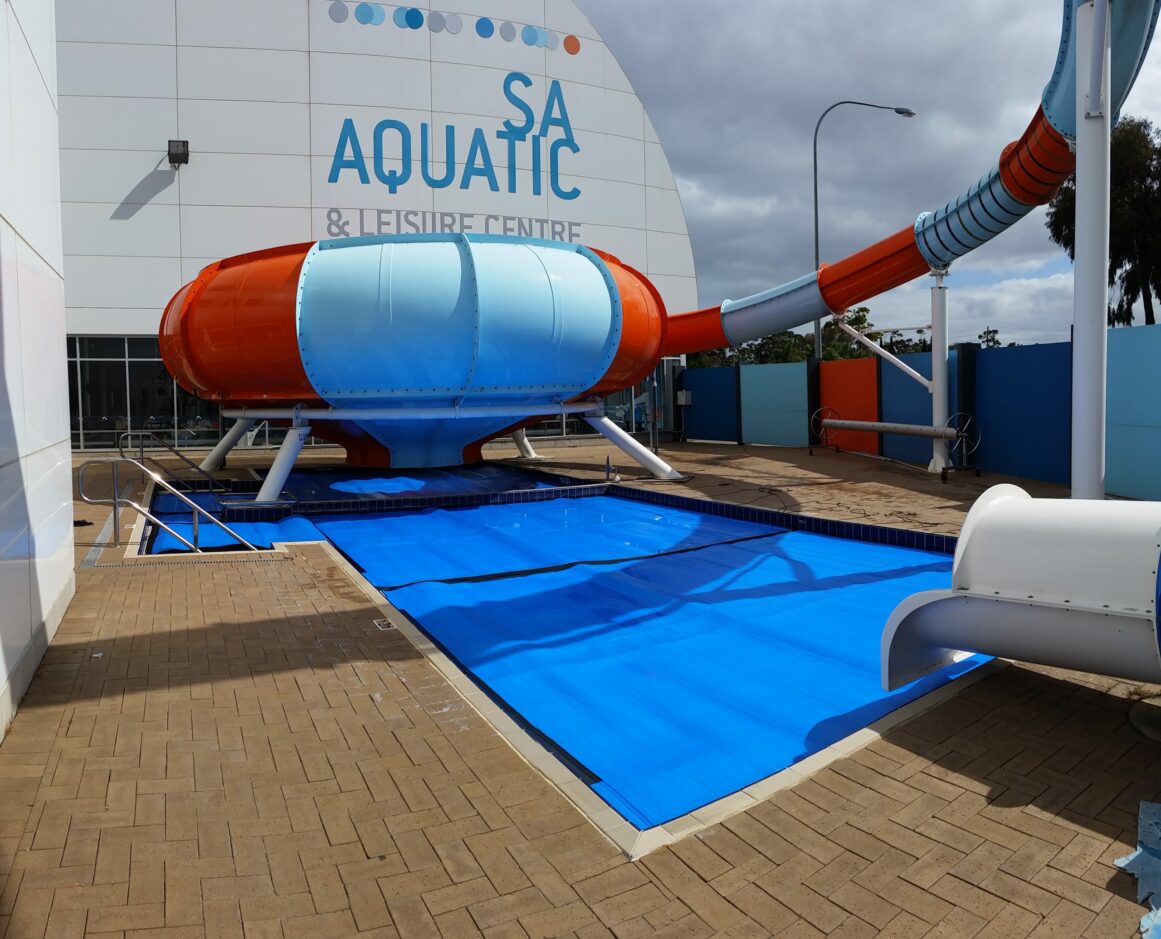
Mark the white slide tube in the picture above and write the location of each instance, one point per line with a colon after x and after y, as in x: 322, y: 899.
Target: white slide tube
x: 1072, y: 584
x: 1091, y: 268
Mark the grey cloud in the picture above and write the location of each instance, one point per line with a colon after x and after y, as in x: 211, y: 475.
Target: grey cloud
x: 734, y: 90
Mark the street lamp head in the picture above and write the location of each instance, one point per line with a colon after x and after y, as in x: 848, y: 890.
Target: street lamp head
x: 906, y: 112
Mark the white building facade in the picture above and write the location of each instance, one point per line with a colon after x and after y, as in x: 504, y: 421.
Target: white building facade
x: 36, y: 536
x: 315, y: 119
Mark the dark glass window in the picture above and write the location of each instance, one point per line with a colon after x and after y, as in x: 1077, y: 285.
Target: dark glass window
x: 71, y: 345
x: 144, y: 348
x: 150, y: 396
x: 101, y: 347
x: 197, y: 420
x: 104, y: 402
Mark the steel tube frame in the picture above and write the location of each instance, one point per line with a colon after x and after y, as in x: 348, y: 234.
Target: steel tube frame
x: 936, y: 432
x: 883, y: 353
x: 411, y: 413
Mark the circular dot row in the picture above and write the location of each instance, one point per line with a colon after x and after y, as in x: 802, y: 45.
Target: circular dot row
x: 372, y: 14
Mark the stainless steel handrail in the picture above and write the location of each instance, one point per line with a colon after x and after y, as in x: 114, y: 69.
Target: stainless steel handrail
x: 118, y: 500
x: 142, y: 458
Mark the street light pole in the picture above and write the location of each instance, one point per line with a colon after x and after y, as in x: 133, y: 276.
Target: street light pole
x: 905, y: 112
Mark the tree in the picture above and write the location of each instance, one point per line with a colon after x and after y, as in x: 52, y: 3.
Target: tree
x: 989, y: 338
x: 1134, y: 219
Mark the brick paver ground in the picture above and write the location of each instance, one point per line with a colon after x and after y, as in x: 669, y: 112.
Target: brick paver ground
x: 232, y: 748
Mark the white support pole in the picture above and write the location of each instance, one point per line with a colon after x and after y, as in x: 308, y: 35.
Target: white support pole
x: 643, y: 455
x: 271, y: 489
x: 939, y: 407
x: 882, y: 353
x: 217, y: 456
x: 520, y: 438
x: 1091, y: 268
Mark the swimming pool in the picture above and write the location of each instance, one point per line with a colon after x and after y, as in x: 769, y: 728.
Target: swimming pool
x: 669, y: 656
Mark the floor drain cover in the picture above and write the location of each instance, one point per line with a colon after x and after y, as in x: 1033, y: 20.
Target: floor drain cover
x: 1145, y: 715
x: 384, y: 624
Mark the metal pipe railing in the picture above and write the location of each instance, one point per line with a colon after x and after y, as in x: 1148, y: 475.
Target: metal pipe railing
x: 196, y: 511
x: 142, y: 435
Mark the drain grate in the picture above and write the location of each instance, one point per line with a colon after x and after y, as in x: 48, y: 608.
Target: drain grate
x: 384, y: 624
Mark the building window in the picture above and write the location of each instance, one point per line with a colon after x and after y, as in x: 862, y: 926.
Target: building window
x: 118, y: 384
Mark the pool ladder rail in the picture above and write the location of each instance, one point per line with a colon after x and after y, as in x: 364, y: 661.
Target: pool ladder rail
x: 207, y: 479
x: 118, y: 500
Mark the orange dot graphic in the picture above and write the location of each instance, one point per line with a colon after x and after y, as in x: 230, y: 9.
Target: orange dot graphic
x: 571, y: 45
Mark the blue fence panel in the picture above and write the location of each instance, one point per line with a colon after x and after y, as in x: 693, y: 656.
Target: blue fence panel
x: 713, y: 413
x: 1133, y: 447
x: 905, y: 401
x: 1023, y: 401
x: 774, y: 404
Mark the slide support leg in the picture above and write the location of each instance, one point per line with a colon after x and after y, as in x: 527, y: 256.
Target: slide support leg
x: 217, y: 456
x: 520, y: 438
x: 643, y: 455
x: 271, y: 489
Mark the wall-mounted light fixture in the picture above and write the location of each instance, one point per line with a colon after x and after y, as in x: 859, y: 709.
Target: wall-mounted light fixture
x: 178, y: 153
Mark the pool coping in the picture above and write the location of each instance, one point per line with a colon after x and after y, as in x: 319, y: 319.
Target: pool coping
x: 633, y: 842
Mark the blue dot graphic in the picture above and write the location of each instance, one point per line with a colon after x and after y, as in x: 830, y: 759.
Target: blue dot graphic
x: 364, y: 13
x: 338, y: 11
x: 380, y: 15
x: 485, y: 27
x: 399, y: 17
x: 528, y: 34
x: 414, y: 18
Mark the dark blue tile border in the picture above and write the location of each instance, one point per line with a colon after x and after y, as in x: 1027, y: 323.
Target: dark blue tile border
x: 568, y: 487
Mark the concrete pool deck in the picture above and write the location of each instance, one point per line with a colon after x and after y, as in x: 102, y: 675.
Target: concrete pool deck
x: 231, y: 747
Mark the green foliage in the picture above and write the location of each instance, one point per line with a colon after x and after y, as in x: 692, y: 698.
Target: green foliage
x: 990, y: 338
x: 1134, y: 219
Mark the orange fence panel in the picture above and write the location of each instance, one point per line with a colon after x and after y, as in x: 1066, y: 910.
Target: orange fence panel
x: 850, y: 387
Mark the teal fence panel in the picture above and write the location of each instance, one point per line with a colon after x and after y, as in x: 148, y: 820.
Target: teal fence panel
x: 1133, y: 447
x: 774, y: 404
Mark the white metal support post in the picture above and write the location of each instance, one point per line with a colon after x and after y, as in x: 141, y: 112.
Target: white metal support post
x: 271, y: 489
x: 1091, y: 268
x: 217, y: 456
x: 651, y: 461
x: 520, y: 438
x: 939, y: 407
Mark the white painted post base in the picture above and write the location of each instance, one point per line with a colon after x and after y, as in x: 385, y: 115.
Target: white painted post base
x: 643, y: 455
x: 271, y: 489
x: 217, y: 456
x: 520, y: 438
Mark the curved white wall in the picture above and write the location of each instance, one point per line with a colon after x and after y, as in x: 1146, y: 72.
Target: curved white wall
x: 299, y: 114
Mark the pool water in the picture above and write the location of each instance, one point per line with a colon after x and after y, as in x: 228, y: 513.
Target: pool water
x: 671, y: 657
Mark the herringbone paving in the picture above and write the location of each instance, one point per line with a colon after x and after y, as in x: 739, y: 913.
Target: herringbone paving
x: 232, y: 748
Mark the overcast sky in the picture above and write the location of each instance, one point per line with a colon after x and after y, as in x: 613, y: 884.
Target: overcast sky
x: 734, y: 90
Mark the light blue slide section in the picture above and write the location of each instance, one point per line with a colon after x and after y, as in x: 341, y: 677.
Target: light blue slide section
x: 453, y: 321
